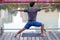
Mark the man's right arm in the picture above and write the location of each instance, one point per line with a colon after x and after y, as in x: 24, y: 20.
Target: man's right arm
x: 17, y: 10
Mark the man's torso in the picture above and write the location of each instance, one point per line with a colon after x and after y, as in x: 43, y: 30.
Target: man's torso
x: 32, y: 13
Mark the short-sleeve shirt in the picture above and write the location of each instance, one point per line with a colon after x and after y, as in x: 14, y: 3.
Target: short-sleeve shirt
x: 32, y: 13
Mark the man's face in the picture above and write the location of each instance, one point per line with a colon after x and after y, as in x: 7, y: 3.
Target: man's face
x: 35, y: 4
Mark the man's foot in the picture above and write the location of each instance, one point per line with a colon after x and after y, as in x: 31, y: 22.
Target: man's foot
x: 43, y: 35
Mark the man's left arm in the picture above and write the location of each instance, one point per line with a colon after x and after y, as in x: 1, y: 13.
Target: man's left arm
x: 43, y: 8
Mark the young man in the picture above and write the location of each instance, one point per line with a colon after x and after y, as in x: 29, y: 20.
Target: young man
x: 32, y: 13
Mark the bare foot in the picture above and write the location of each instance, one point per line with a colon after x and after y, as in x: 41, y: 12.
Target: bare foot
x: 43, y: 35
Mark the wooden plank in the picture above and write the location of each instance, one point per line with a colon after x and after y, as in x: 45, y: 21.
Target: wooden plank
x: 48, y: 36
x: 40, y: 38
x: 21, y: 38
x: 18, y: 37
x: 3, y: 36
x: 52, y: 36
x: 7, y: 36
x: 37, y: 38
x: 45, y: 37
x: 10, y: 38
x: 33, y: 38
x: 14, y: 38
x: 29, y: 38
x: 58, y: 34
x: 55, y: 35
x: 25, y: 38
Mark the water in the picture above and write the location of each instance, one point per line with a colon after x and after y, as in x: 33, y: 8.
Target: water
x: 16, y: 24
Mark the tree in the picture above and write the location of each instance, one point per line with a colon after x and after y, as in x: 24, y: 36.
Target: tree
x: 12, y: 6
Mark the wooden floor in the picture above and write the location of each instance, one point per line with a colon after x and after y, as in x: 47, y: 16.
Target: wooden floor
x: 50, y: 36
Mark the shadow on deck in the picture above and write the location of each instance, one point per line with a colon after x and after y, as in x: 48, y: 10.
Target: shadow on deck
x: 30, y: 36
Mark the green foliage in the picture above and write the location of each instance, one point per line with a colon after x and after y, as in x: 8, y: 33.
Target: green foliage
x: 55, y: 6
x: 14, y: 6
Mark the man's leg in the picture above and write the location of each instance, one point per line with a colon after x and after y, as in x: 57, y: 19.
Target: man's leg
x: 27, y: 26
x: 20, y: 31
x: 42, y: 29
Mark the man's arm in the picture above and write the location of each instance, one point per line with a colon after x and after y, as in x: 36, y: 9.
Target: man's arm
x: 44, y: 8
x: 18, y: 10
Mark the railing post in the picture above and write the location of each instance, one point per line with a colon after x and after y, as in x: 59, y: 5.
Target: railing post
x: 1, y: 24
x: 1, y: 30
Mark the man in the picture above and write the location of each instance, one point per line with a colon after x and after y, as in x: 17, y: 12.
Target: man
x: 32, y: 13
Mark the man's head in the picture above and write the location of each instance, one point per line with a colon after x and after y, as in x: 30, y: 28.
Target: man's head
x: 32, y: 4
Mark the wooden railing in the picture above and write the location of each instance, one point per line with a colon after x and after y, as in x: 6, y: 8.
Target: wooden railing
x: 29, y: 1
x: 36, y: 29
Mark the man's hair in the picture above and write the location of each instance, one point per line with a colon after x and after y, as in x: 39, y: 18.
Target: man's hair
x: 32, y: 4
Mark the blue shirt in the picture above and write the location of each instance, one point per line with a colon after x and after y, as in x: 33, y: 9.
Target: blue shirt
x: 32, y: 13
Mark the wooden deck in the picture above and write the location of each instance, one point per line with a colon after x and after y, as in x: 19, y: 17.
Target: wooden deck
x: 50, y: 36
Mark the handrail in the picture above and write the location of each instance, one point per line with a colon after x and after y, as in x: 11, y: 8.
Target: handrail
x: 29, y: 1
x: 36, y: 29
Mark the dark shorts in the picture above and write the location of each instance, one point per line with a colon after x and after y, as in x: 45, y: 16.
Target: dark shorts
x: 32, y: 23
